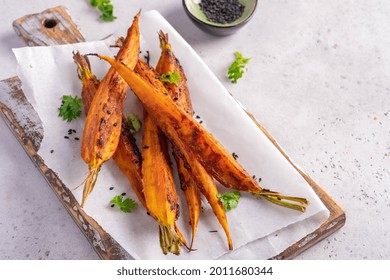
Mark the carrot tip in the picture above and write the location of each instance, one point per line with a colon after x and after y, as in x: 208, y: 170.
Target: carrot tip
x: 169, y: 241
x: 89, y: 184
x: 292, y: 202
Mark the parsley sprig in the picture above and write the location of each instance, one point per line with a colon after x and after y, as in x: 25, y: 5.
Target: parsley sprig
x: 106, y: 8
x: 170, y: 77
x: 229, y: 199
x: 236, y: 69
x: 127, y: 205
x: 70, y: 107
x: 134, y: 122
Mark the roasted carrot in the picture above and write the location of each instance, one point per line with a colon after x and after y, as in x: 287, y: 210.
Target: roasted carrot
x: 128, y: 158
x: 104, y: 121
x: 168, y: 63
x: 190, y: 164
x: 148, y: 73
x: 127, y: 155
x: 159, y: 187
x: 89, y: 81
x: 211, y: 154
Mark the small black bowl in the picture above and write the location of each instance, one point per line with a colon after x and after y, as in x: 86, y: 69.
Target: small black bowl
x: 197, y: 16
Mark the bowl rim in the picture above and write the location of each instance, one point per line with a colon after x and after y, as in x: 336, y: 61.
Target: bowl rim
x: 220, y: 26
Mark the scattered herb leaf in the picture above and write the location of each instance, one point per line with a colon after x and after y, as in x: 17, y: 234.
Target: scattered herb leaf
x: 127, y: 205
x: 236, y: 69
x: 229, y: 199
x: 134, y: 122
x: 170, y: 77
x: 70, y: 107
x: 106, y: 8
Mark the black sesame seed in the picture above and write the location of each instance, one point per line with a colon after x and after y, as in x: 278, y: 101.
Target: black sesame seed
x: 115, y: 124
x: 111, y: 188
x: 51, y: 151
x: 186, y: 165
x: 73, y: 130
x: 66, y: 137
x: 145, y: 147
x: 197, y: 117
x: 147, y: 57
x: 76, y: 138
x: 259, y: 180
x: 112, y: 205
x: 201, y: 122
x: 213, y: 230
x: 222, y: 11
x: 123, y: 194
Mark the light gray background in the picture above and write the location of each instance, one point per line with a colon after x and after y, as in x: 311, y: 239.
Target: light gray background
x: 318, y: 80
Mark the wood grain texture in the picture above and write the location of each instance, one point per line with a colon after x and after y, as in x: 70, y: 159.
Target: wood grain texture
x: 51, y: 27
x: 24, y: 122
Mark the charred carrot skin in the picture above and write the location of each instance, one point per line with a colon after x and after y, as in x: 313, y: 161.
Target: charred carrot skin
x: 89, y: 81
x: 127, y: 155
x: 159, y: 188
x: 212, y: 155
x: 202, y: 179
x: 168, y: 63
x: 104, y: 121
x: 128, y: 158
x: 148, y: 74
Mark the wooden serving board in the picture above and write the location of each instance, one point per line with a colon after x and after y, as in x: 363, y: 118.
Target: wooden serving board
x: 55, y: 26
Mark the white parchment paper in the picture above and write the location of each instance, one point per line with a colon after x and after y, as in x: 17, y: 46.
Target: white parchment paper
x: 259, y: 229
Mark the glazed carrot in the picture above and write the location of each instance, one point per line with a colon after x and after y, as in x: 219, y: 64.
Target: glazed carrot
x: 127, y: 155
x: 89, y: 81
x: 159, y: 187
x: 178, y: 124
x: 168, y: 63
x: 195, y: 170
x: 150, y: 128
x: 104, y: 121
x: 128, y: 158
x: 190, y: 164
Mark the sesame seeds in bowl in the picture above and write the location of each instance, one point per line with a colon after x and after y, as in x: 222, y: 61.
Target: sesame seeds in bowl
x: 220, y: 17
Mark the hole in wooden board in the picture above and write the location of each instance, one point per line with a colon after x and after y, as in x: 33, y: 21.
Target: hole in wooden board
x: 50, y: 23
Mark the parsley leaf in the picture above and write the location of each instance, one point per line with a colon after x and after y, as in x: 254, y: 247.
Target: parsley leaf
x: 134, y: 122
x: 170, y: 77
x: 127, y: 205
x: 106, y: 8
x: 70, y: 107
x: 236, y: 69
x: 229, y: 199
